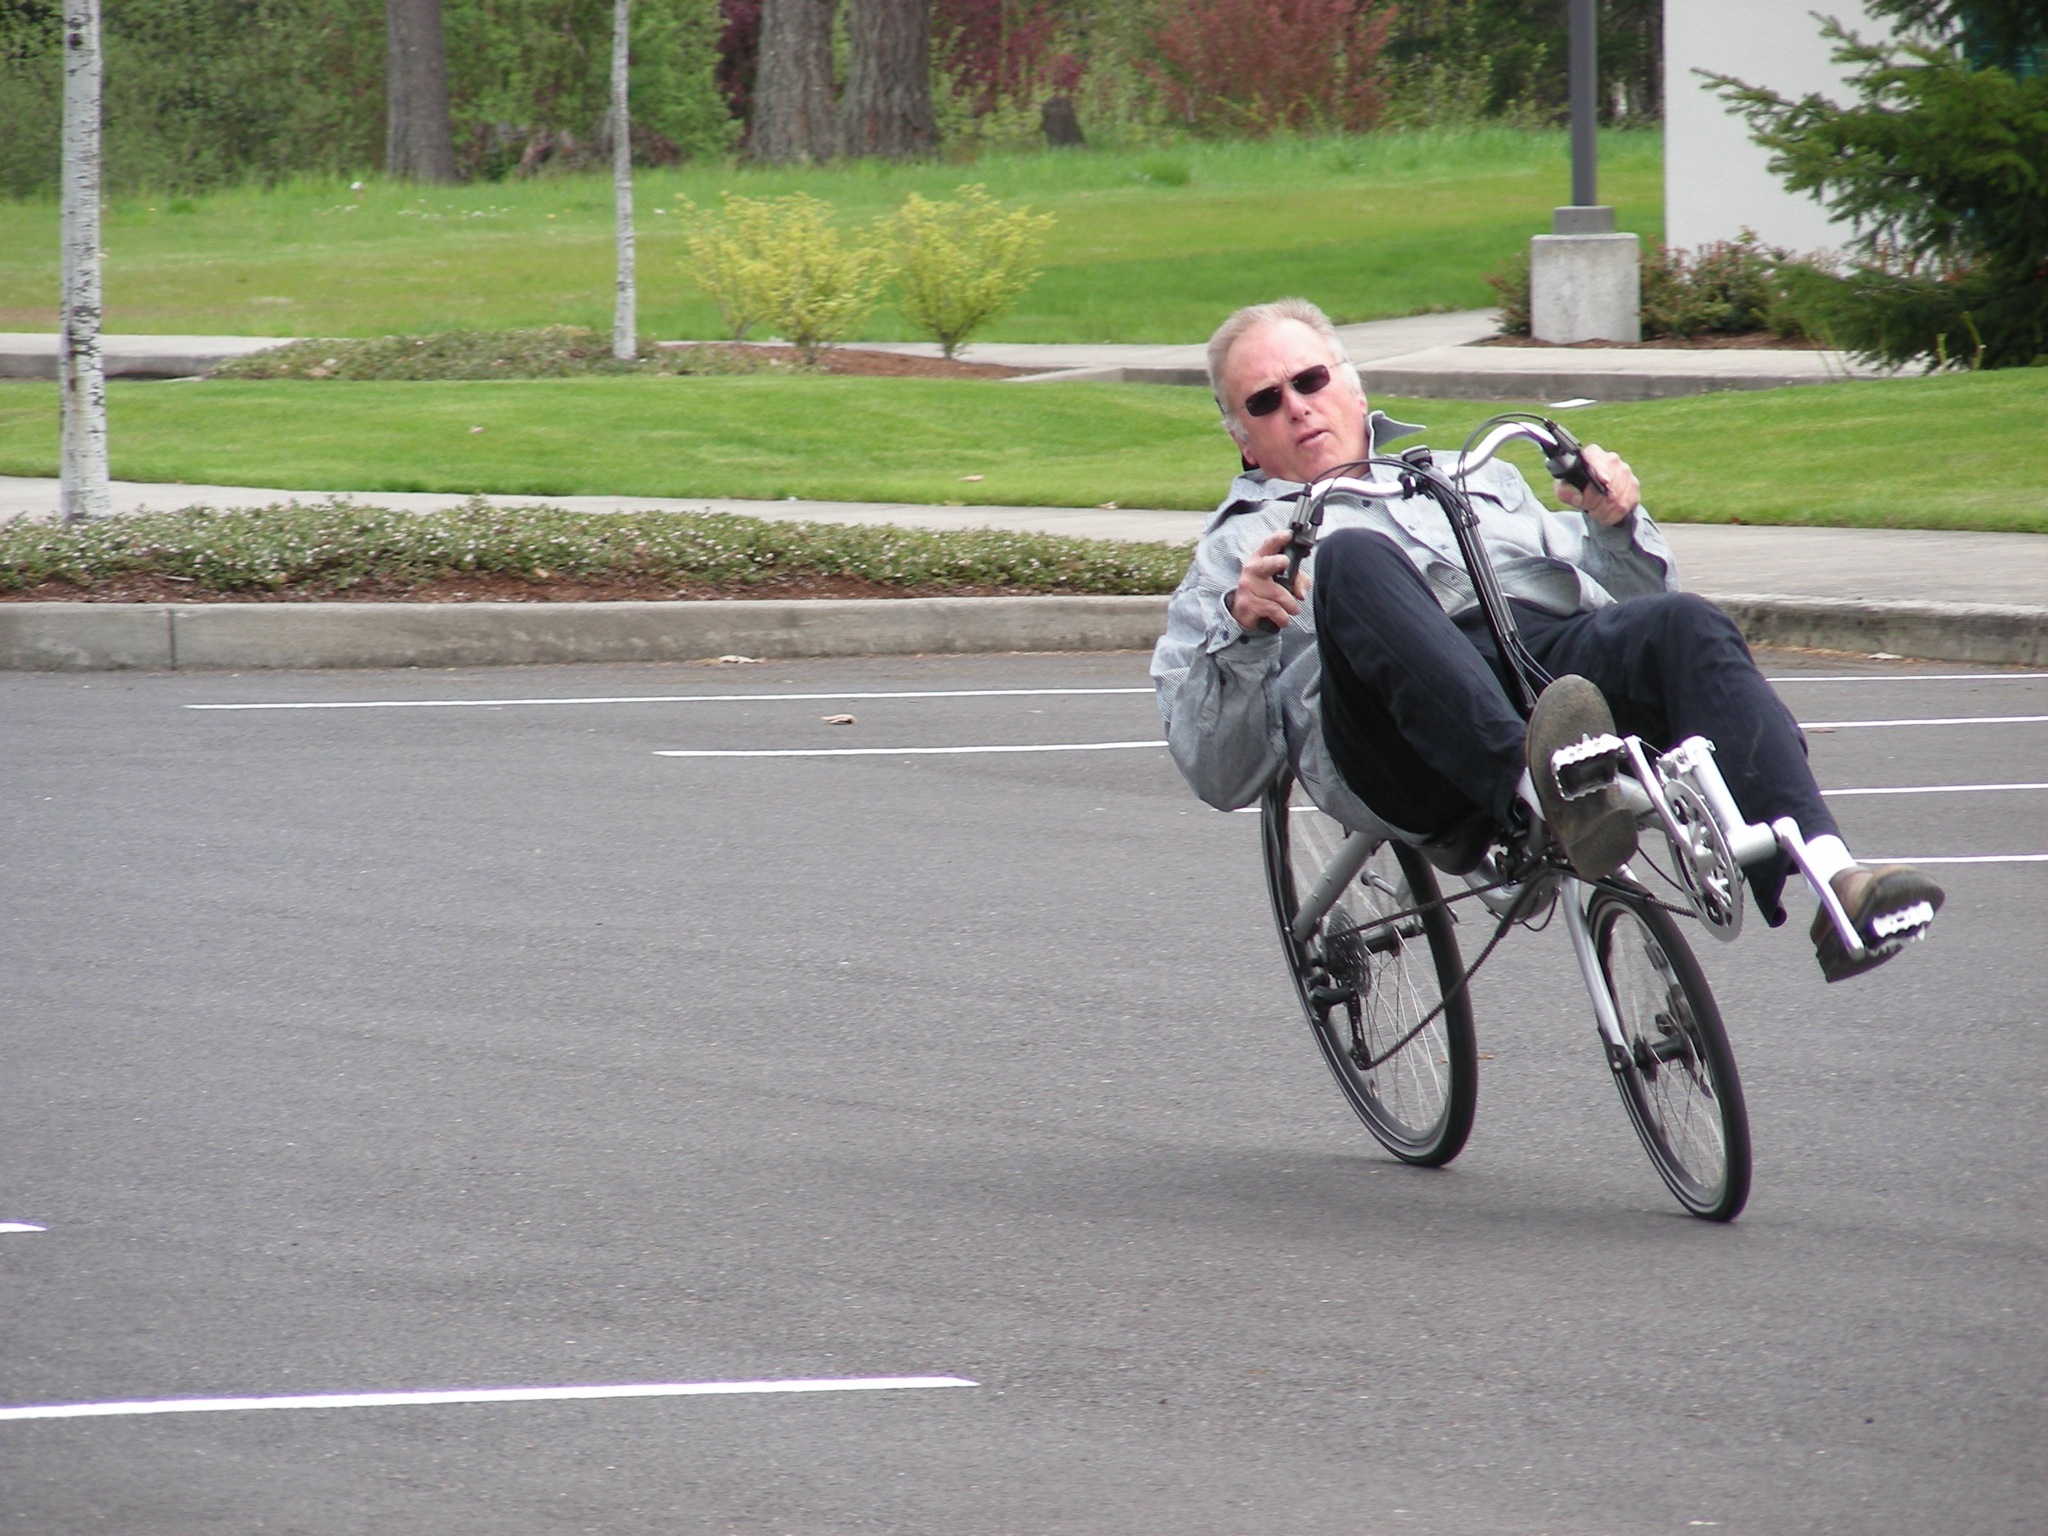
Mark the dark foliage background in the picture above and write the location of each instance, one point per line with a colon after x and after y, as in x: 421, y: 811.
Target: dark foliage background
x: 202, y: 92
x: 205, y: 92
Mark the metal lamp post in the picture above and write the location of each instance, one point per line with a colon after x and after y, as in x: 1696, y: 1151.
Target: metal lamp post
x: 1584, y: 279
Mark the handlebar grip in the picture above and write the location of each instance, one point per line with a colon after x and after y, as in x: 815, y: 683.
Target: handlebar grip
x: 1570, y: 466
x: 1296, y: 553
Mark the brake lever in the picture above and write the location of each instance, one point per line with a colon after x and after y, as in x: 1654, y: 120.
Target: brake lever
x: 1567, y: 461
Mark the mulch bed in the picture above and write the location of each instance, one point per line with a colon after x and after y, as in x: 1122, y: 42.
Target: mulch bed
x: 491, y: 589
x: 1747, y: 341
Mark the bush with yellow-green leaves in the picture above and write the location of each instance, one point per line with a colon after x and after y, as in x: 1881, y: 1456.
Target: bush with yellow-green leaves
x: 962, y: 263
x: 779, y: 262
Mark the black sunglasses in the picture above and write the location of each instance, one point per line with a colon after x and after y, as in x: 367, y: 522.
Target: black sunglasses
x: 1264, y: 402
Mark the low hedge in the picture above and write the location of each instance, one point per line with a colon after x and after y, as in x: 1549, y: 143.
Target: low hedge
x: 337, y: 546
x: 546, y: 352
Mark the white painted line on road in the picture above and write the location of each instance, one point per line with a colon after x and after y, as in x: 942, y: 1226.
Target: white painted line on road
x: 482, y: 1395
x: 1967, y: 858
x: 1935, y: 789
x: 1916, y: 677
x: 1871, y: 725
x: 20, y: 1226
x: 682, y: 698
x: 1060, y: 746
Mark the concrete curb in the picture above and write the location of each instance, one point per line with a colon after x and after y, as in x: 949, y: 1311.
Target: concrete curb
x: 93, y: 637
x: 1982, y: 632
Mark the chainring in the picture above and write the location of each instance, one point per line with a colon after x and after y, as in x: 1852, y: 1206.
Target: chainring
x: 1707, y: 868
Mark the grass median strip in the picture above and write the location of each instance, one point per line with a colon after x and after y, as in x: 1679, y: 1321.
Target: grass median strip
x: 341, y: 550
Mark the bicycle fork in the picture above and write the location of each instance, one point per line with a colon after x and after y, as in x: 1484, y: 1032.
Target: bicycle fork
x: 1573, y: 896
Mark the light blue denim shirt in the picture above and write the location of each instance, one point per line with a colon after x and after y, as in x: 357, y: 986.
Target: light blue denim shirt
x: 1239, y: 703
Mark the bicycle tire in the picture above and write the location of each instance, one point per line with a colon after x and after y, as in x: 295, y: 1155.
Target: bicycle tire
x: 1678, y: 1078
x: 1419, y: 1102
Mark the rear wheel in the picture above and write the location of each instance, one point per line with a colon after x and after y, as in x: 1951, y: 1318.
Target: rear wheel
x: 1678, y: 1077
x: 1369, y: 973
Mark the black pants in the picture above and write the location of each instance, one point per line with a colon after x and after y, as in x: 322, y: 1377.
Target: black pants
x: 1417, y: 717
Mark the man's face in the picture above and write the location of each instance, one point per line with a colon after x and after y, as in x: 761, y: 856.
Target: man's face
x: 1308, y: 434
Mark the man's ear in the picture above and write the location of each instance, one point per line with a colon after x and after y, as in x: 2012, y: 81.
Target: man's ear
x: 1244, y: 460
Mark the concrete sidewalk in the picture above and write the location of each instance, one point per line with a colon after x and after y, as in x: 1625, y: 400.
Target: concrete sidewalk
x: 1431, y: 356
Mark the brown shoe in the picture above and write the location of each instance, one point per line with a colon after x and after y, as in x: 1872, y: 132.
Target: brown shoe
x: 1573, y: 755
x: 1889, y: 906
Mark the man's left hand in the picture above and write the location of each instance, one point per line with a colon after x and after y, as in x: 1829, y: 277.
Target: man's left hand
x: 1623, y: 496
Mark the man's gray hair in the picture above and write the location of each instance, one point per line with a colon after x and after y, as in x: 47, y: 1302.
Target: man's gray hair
x: 1250, y: 318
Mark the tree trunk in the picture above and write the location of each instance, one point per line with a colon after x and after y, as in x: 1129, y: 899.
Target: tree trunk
x: 419, y: 145
x: 625, y: 338
x: 793, y: 84
x: 887, y: 108
x: 82, y: 486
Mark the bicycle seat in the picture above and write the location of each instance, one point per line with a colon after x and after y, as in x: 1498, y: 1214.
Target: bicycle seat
x: 1459, y: 847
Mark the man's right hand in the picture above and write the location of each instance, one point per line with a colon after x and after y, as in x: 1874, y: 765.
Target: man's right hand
x: 1259, y: 594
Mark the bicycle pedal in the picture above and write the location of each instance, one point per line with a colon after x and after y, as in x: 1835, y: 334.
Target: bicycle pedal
x: 1588, y: 765
x: 1904, y: 925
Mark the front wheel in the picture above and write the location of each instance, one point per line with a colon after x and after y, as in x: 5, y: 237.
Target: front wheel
x: 1370, y: 974
x: 1677, y: 1074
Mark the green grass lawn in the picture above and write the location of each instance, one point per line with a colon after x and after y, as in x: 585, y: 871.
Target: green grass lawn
x: 1959, y: 451
x: 1370, y: 226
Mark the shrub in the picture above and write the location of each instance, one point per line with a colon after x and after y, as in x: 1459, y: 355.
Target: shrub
x: 1728, y: 288
x: 1262, y: 66
x: 338, y: 547
x: 960, y: 264
x: 550, y: 352
x: 1510, y: 284
x: 1941, y: 170
x: 734, y: 261
x: 779, y: 262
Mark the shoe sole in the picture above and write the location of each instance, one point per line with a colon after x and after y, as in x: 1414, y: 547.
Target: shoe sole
x: 1571, y: 738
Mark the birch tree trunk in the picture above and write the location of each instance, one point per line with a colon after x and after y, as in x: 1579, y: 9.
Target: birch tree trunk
x: 625, y: 335
x: 82, y: 484
x: 793, y: 118
x: 887, y: 108
x: 419, y: 144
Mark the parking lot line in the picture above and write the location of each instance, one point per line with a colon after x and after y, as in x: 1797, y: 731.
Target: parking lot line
x: 1871, y: 725
x: 1912, y: 677
x: 679, y: 698
x: 482, y: 1395
x: 1960, y: 858
x: 1935, y: 789
x: 1051, y: 746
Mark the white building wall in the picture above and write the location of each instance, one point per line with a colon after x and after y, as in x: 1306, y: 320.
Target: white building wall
x: 1715, y: 181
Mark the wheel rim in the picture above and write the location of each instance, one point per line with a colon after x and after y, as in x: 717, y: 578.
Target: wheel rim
x: 1667, y: 1081
x: 1392, y: 973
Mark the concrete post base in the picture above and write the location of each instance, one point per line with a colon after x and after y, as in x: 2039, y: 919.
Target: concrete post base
x: 1585, y: 287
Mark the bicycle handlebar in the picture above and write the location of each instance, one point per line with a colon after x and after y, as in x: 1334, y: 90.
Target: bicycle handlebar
x: 1415, y: 472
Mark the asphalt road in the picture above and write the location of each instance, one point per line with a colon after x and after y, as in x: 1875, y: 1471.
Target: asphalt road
x: 353, y: 1051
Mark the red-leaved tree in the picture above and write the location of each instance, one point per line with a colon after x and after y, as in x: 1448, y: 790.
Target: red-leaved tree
x: 1000, y: 50
x: 1261, y: 66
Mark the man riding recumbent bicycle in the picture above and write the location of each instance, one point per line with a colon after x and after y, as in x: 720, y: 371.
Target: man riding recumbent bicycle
x: 1476, y: 686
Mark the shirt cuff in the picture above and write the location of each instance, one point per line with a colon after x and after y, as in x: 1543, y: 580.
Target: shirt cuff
x: 1619, y: 536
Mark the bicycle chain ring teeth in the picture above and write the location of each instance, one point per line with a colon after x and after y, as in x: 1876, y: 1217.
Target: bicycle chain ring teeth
x: 1588, y: 765
x: 1705, y: 863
